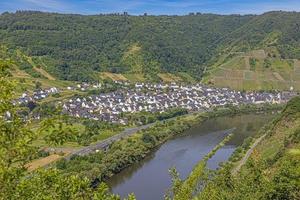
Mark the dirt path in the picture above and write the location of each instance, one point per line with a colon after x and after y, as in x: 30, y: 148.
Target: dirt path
x: 35, y: 164
x: 247, y: 155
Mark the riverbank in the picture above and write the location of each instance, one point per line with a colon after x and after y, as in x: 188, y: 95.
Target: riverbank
x: 123, y: 153
x: 271, y: 169
x: 184, y: 189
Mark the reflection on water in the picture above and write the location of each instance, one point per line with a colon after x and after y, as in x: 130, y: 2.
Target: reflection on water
x: 149, y: 179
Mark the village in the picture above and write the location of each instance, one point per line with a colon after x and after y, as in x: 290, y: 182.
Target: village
x: 151, y: 97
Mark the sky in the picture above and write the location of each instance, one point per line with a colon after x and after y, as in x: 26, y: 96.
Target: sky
x: 154, y: 7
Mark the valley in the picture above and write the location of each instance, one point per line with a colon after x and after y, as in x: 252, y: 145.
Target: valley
x: 184, y: 152
x: 119, y: 106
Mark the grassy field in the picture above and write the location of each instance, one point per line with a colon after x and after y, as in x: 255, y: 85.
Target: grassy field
x: 186, y: 77
x: 139, y: 77
x: 167, y: 77
x: 113, y: 76
x: 135, y: 77
x: 25, y: 82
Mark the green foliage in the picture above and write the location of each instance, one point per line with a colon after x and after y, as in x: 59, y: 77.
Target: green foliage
x: 252, y: 63
x: 16, y: 150
x: 50, y: 184
x: 38, y: 85
x: 93, y: 128
x: 187, y: 188
x: 266, y: 178
x: 58, y: 131
x: 148, y: 117
x: 267, y: 63
x: 125, y: 152
x: 74, y: 46
x: 292, y: 107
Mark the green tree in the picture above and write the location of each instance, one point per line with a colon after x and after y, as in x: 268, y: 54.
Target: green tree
x: 38, y: 85
x: 16, y: 151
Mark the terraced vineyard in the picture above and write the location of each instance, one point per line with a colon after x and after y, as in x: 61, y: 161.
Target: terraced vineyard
x: 256, y: 70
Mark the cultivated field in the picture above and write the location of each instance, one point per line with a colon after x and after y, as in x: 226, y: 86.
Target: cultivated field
x: 255, y: 71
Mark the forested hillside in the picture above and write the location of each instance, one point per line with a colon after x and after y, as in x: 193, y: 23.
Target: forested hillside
x: 261, y: 55
x: 272, y: 170
x: 73, y: 47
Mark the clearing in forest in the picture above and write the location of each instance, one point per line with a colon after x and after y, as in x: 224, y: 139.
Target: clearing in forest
x: 167, y: 77
x: 44, y: 73
x: 36, y: 67
x: 135, y: 77
x: 113, y: 76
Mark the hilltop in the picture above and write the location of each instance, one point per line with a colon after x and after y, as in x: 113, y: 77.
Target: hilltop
x: 158, y: 48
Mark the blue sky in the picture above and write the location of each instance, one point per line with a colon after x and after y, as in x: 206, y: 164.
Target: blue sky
x: 155, y: 7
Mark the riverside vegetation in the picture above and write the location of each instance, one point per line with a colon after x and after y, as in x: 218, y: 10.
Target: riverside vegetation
x: 47, y: 48
x: 272, y: 172
x: 64, y: 182
x: 16, y: 150
x: 102, y: 165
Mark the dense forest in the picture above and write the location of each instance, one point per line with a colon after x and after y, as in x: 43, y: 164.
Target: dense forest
x: 73, y: 47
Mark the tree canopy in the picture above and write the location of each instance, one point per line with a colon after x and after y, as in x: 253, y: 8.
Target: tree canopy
x: 73, y: 46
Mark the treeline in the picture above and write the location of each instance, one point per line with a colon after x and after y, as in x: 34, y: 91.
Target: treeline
x: 123, y: 153
x: 271, y: 172
x: 142, y: 118
x: 80, y: 130
x: 73, y: 47
x: 185, y: 189
x: 16, y: 149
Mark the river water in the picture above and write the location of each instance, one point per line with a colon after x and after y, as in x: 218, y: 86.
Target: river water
x: 149, y: 179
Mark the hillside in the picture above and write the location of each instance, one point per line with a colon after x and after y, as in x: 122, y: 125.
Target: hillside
x: 261, y: 69
x: 153, y: 48
x: 27, y: 73
x: 263, y: 54
x: 272, y: 171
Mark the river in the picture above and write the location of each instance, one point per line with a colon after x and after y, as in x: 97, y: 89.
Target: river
x: 149, y: 179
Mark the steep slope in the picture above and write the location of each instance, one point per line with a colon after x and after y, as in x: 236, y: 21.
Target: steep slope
x: 262, y: 54
x: 73, y: 47
x: 28, y: 73
x: 261, y: 69
x: 278, y: 29
x: 272, y: 171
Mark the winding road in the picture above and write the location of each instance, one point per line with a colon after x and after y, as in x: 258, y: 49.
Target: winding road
x: 247, y: 155
x: 102, y: 145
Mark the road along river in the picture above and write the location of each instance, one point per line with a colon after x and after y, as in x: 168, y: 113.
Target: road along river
x: 149, y: 179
